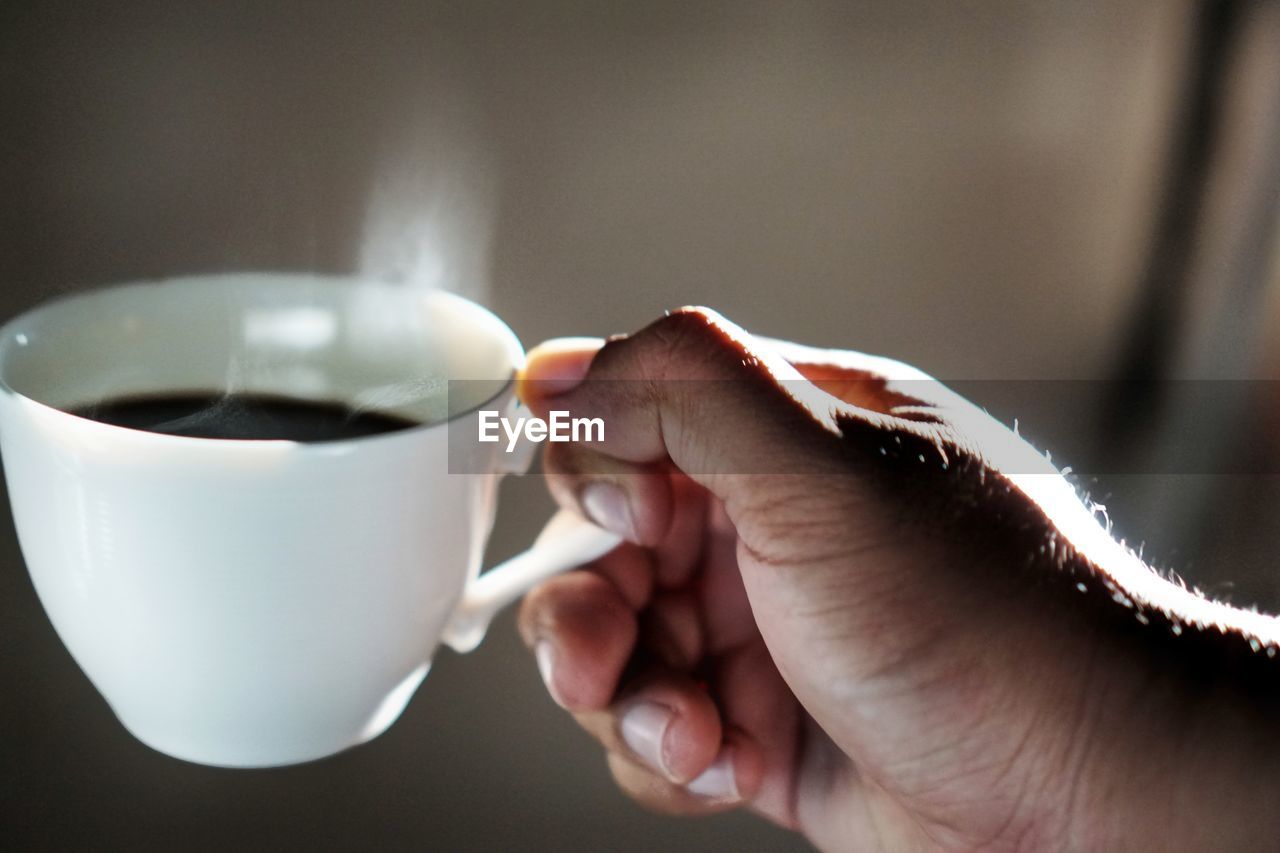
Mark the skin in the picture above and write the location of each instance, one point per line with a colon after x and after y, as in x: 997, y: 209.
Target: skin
x: 853, y: 604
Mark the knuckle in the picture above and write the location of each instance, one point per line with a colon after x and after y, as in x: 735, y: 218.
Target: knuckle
x: 687, y: 323
x: 535, y: 602
x: 688, y: 331
x: 562, y: 460
x: 527, y: 616
x: 684, y: 336
x: 577, y: 601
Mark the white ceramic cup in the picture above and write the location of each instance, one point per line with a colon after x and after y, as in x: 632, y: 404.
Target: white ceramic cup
x: 256, y: 603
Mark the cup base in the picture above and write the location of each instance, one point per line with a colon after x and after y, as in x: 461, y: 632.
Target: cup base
x: 256, y: 752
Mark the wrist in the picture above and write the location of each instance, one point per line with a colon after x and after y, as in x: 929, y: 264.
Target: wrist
x: 1178, y: 769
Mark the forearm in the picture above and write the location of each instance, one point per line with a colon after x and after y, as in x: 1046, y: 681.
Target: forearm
x: 1183, y: 745
x: 1173, y: 771
x: 1176, y: 743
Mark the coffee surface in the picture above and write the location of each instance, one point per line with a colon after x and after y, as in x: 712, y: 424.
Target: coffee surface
x: 242, y: 416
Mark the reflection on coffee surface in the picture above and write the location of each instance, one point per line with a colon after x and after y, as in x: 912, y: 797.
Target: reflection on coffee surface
x: 242, y: 416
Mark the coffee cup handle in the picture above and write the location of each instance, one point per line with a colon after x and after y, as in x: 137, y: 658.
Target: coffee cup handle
x: 566, y: 541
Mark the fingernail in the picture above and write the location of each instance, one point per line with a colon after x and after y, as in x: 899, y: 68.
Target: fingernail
x: 644, y: 727
x: 606, y: 504
x: 546, y: 657
x: 717, y: 781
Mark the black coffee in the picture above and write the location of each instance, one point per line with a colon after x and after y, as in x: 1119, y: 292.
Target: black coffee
x: 242, y: 416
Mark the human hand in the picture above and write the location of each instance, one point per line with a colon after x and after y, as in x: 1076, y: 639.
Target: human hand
x: 842, y: 607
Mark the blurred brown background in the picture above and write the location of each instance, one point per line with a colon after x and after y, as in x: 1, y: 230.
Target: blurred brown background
x: 991, y: 190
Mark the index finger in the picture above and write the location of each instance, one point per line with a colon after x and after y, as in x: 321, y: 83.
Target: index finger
x: 694, y: 388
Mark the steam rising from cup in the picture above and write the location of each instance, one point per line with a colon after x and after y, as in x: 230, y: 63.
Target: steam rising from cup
x: 430, y: 216
x: 428, y: 224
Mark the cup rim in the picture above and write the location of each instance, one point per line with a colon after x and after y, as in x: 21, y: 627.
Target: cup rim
x: 508, y: 337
